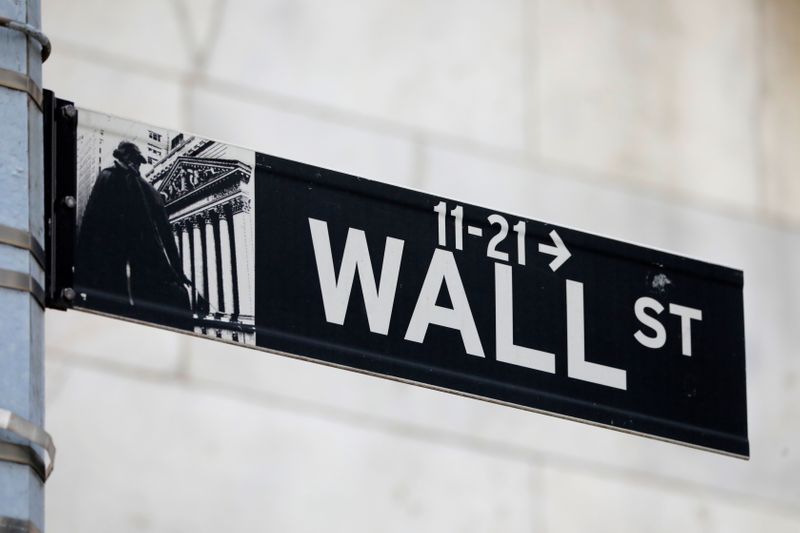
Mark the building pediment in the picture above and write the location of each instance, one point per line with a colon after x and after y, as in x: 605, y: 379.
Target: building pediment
x: 190, y: 178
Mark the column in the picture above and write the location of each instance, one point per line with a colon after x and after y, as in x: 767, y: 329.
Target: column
x: 234, y: 260
x: 211, y: 264
x: 198, y: 267
x: 192, y: 270
x: 244, y: 255
x: 226, y: 264
x: 201, y: 222
x: 176, y: 233
x: 186, y: 251
x: 218, y: 255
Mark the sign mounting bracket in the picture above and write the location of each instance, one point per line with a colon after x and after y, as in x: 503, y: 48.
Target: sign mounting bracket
x: 60, y: 154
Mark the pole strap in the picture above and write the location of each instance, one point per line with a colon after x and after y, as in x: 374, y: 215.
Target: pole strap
x: 22, y: 239
x: 32, y: 32
x: 15, y: 525
x: 17, y: 81
x: 24, y: 455
x: 11, y: 279
x: 26, y: 429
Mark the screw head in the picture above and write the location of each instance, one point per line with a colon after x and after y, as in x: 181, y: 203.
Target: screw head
x: 69, y: 202
x: 69, y: 112
x: 68, y: 294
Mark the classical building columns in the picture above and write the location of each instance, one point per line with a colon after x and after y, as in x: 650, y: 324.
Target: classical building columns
x: 228, y: 211
x: 211, y: 259
x: 186, y: 252
x: 245, y: 266
x: 217, y: 256
x: 198, y: 268
x: 225, y: 261
x: 209, y: 205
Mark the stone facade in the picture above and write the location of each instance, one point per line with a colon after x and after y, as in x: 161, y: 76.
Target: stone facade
x: 209, y: 205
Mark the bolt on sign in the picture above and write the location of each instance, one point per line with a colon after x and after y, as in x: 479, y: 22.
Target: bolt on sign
x: 180, y: 231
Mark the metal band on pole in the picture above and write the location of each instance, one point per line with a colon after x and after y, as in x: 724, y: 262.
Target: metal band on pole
x: 20, y: 82
x: 28, y: 430
x: 25, y: 455
x: 15, y: 525
x: 11, y: 279
x: 22, y: 239
x: 32, y: 32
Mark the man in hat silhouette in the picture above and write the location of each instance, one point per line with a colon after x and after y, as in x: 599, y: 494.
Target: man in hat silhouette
x: 127, y: 262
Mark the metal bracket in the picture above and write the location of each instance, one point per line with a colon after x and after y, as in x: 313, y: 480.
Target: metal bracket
x: 21, y: 82
x: 24, y: 240
x: 11, y: 279
x: 32, y: 32
x: 60, y: 168
x: 15, y: 525
x: 27, y: 430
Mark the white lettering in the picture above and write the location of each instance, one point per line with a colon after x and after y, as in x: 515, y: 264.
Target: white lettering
x: 378, y: 301
x: 443, y: 269
x: 507, y: 351
x: 687, y: 314
x: 660, y: 338
x: 577, y: 365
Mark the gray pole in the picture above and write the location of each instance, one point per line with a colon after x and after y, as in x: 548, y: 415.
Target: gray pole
x: 21, y: 316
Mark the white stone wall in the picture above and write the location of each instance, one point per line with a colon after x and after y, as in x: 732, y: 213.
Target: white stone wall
x: 673, y: 123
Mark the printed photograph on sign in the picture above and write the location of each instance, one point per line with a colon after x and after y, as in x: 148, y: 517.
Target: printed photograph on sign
x: 165, y: 227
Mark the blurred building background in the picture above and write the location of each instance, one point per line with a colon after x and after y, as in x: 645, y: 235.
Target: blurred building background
x: 673, y: 123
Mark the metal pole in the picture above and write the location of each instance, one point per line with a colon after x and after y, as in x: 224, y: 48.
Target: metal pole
x: 21, y: 211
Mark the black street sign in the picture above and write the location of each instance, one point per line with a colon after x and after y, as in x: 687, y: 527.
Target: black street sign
x: 196, y: 235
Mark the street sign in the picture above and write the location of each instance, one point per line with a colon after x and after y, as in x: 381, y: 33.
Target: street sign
x: 196, y: 235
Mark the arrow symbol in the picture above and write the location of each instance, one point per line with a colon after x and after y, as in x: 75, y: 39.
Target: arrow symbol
x: 559, y: 251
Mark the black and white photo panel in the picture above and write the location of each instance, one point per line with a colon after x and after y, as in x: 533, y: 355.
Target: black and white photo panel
x: 165, y: 228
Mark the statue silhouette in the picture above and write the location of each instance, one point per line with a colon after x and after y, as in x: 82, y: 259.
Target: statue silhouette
x: 127, y: 262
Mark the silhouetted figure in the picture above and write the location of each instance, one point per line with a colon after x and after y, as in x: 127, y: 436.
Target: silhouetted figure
x: 127, y: 261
